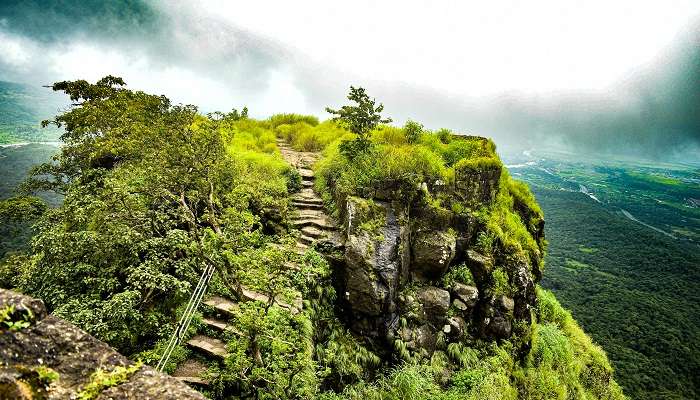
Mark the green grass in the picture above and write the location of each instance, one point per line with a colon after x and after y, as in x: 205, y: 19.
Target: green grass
x: 101, y: 380
x: 587, y: 250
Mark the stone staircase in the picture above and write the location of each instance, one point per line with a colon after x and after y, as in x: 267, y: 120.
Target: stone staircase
x: 313, y: 224
x: 310, y: 218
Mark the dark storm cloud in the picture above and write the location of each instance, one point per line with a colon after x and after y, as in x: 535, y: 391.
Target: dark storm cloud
x: 51, y: 21
x: 655, y: 113
x: 143, y: 31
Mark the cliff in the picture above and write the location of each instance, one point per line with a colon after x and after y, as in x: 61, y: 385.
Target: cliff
x: 416, y: 272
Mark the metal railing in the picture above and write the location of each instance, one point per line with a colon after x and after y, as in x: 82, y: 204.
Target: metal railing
x: 186, y: 318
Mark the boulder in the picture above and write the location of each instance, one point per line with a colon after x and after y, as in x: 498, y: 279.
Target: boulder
x: 469, y: 295
x: 460, y: 305
x: 497, y: 327
x: 458, y: 326
x: 476, y: 183
x: 495, y: 320
x: 525, y: 297
x: 433, y: 251
x: 506, y: 304
x: 24, y: 308
x: 480, y: 265
x: 50, y: 342
x: 425, y: 338
x: 435, y: 302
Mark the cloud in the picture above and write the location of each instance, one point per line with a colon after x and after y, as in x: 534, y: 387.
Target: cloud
x: 558, y: 74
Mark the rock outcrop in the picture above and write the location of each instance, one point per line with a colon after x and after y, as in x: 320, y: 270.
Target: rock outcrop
x: 398, y: 249
x: 44, y: 357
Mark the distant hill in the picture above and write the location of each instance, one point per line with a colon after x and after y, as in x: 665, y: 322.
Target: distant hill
x: 22, y: 108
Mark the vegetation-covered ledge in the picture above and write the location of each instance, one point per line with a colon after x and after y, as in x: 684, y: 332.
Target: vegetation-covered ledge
x: 442, y: 254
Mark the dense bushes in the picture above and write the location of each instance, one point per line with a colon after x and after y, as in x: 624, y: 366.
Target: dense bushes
x: 153, y: 193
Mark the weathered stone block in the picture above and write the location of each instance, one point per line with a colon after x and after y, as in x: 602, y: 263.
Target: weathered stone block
x: 433, y: 251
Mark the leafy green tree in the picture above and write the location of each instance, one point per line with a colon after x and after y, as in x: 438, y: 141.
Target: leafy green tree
x: 413, y: 131
x: 152, y: 196
x: 359, y: 119
x: 17, y: 215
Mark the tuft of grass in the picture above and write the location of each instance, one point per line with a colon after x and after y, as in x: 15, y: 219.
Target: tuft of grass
x: 289, y: 119
x: 100, y: 380
x: 459, y: 274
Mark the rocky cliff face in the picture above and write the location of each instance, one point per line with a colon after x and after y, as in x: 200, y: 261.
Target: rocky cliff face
x: 399, y: 254
x: 44, y: 357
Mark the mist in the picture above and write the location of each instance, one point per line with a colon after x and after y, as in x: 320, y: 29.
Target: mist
x: 579, y: 96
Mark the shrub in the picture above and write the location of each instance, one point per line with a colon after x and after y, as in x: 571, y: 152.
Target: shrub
x: 458, y: 273
x: 412, y: 131
x: 289, y: 119
x: 390, y: 135
x: 445, y: 135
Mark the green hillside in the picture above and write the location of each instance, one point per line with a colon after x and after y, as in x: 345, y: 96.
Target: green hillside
x: 426, y: 286
x: 632, y: 284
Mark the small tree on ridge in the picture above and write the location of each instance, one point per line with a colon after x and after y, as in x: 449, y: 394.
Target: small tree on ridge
x: 359, y: 119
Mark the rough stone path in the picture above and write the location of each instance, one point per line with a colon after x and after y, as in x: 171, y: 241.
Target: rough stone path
x: 310, y: 217
x: 313, y: 224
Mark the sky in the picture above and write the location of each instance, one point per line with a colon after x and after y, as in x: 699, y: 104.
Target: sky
x: 618, y: 77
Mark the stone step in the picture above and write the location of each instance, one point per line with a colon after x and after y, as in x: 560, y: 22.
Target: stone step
x: 316, y: 200
x: 303, y: 239
x: 306, y: 206
x: 223, y: 305
x: 307, y: 184
x: 312, y: 232
x: 312, y: 214
x: 221, y: 325
x: 208, y: 345
x: 301, y: 213
x: 306, y: 174
x: 308, y: 193
x: 250, y: 295
x: 315, y: 222
x: 192, y: 372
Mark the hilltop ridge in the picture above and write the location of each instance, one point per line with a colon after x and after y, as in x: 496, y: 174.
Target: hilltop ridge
x: 352, y: 258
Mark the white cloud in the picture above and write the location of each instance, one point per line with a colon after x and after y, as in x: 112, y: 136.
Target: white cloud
x: 471, y: 48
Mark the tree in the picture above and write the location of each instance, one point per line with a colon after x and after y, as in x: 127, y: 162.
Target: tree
x: 152, y: 197
x: 413, y: 131
x: 359, y: 119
